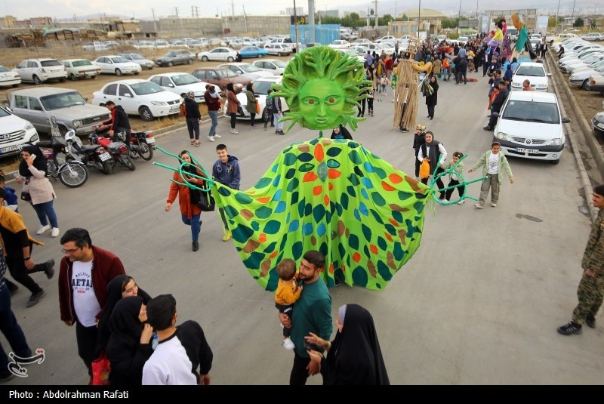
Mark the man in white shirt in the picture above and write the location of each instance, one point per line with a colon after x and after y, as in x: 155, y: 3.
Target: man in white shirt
x: 493, y: 165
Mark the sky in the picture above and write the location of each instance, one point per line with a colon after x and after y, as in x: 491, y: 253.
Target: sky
x: 70, y: 9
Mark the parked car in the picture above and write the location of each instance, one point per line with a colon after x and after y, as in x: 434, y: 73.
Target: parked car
x: 15, y: 132
x: 261, y: 87
x: 387, y: 38
x: 80, y: 69
x: 175, y: 57
x: 353, y: 54
x: 597, y: 123
x: 462, y: 40
x: 580, y: 77
x: 246, y: 70
x: 222, y: 54
x: 41, y: 70
x: 138, y: 59
x: 161, y: 44
x: 144, y: 45
x: 589, y: 62
x: 181, y: 83
x: 220, y: 76
x: 593, y: 36
x: 279, y: 49
x: 339, y: 44
x: 530, y: 126
x: 117, y: 65
x: 9, y: 77
x: 139, y: 97
x: 70, y: 109
x: 96, y: 46
x: 533, y: 72
x: 361, y: 41
x: 252, y: 52
x: 275, y: 66
x: 596, y: 83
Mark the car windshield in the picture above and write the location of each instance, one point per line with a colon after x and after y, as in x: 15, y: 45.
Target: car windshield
x: 78, y: 63
x: 262, y: 87
x: 3, y: 69
x: 532, y: 71
x: 146, y: 87
x: 184, y: 79
x: 49, y: 63
x: 136, y: 56
x: 529, y: 111
x: 62, y: 100
x: 119, y: 59
x: 280, y: 64
x: 226, y: 73
x: 171, y: 54
x: 249, y: 68
x: 3, y: 113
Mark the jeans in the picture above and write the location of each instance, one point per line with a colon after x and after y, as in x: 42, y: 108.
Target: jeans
x: 12, y: 331
x: 446, y: 73
x: 195, y: 225
x: 278, y: 125
x: 86, y: 338
x: 214, y: 118
x: 46, y: 210
x: 193, y: 128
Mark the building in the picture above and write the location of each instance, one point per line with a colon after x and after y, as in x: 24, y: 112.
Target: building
x: 8, y: 21
x: 429, y: 20
x: 528, y: 16
x: 328, y: 13
x: 400, y: 28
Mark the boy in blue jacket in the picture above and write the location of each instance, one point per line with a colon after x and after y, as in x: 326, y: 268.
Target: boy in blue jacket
x: 226, y: 171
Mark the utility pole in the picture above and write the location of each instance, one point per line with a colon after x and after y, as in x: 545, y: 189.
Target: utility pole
x: 395, y: 4
x: 154, y: 22
x: 375, y: 15
x: 557, y: 12
x: 232, y: 8
x: 245, y: 19
x: 572, y: 15
x: 296, y: 27
x: 458, y: 17
x: 419, y: 16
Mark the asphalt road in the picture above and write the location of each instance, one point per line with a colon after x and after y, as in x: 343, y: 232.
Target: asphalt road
x: 479, y: 303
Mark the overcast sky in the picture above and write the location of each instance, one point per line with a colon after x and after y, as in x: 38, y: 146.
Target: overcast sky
x: 67, y: 9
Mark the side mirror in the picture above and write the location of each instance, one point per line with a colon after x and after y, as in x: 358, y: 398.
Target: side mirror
x: 128, y: 95
x: 171, y: 85
x: 565, y: 120
x: 549, y: 75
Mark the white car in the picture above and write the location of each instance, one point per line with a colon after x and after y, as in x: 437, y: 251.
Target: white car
x: 530, y: 126
x: 387, y: 38
x: 580, y: 77
x: 533, y: 72
x: 15, y: 132
x: 9, y: 77
x: 221, y: 54
x: 589, y: 62
x: 139, y: 97
x: 96, y: 46
x: 139, y: 59
x: 80, y: 69
x: 361, y: 41
x: 279, y: 49
x: 593, y: 36
x: 261, y: 87
x: 247, y: 70
x: 117, y: 65
x: 182, y: 83
x: 275, y: 66
x: 339, y: 44
x: 40, y: 70
x: 462, y: 40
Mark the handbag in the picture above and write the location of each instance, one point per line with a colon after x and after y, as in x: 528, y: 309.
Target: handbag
x: 206, y: 201
x: 257, y: 107
x: 25, y: 196
x: 100, y: 370
x: 424, y: 169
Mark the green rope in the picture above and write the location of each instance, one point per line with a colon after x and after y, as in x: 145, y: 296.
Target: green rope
x: 462, y: 183
x: 180, y: 170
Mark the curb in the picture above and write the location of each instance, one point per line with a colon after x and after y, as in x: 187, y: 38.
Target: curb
x: 163, y: 132
x: 596, y: 151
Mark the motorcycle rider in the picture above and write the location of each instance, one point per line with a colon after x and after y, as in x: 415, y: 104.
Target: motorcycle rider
x: 118, y: 123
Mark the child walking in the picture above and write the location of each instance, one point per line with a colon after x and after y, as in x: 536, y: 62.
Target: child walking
x: 453, y: 178
x: 269, y: 108
x: 384, y: 83
x: 287, y: 293
x: 370, y: 101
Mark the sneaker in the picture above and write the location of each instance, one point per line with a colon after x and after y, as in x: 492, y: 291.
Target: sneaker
x: 50, y: 268
x: 337, y: 282
x: 195, y: 245
x: 288, y: 344
x: 255, y: 126
x: 493, y: 205
x: 211, y: 138
x: 487, y: 128
x: 232, y: 131
x: 235, y: 131
x: 280, y: 132
x: 54, y: 232
x: 461, y: 202
x: 227, y: 235
x: 43, y: 229
x: 35, y: 298
x: 217, y: 135
x: 446, y: 200
x: 478, y: 206
x: 590, y: 321
x: 570, y: 329
x: 12, y: 288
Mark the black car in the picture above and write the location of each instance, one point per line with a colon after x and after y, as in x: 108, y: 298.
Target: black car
x: 176, y: 57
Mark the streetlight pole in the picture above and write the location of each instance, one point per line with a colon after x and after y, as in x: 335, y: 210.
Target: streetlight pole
x: 296, y: 26
x: 419, y: 15
x: 557, y: 12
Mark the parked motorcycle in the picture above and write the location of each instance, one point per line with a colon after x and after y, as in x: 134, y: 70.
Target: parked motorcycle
x: 117, y: 150
x: 142, y: 144
x: 93, y: 155
x: 71, y: 173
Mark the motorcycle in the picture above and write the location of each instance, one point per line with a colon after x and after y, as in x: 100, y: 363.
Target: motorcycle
x: 71, y: 173
x: 141, y: 144
x: 93, y: 155
x: 117, y: 150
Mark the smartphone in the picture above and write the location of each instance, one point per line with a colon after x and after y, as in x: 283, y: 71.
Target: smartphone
x: 312, y: 347
x: 33, y: 157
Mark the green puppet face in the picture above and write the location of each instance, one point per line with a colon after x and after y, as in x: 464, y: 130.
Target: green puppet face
x: 321, y: 104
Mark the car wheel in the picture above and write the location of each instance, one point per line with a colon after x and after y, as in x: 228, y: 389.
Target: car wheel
x: 554, y: 162
x: 584, y: 85
x: 36, y: 80
x: 189, y: 61
x: 63, y: 130
x: 204, y: 59
x: 279, y: 54
x: 230, y: 59
x: 15, y: 85
x: 118, y: 72
x: 145, y: 113
x: 170, y: 64
x: 63, y: 79
x: 136, y: 73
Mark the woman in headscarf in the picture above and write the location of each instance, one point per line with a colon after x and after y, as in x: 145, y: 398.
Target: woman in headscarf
x: 252, y: 104
x: 340, y: 132
x: 32, y: 170
x: 187, y: 197
x: 121, y: 286
x: 129, y: 345
x: 193, y: 117
x: 232, y: 106
x: 354, y: 357
x: 431, y: 94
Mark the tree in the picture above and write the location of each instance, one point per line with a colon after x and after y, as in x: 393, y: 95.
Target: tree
x: 579, y: 23
x: 405, y: 17
x: 385, y: 20
x: 551, y: 22
x: 449, y: 23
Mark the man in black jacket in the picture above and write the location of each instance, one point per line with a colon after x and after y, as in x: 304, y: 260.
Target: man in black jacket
x: 497, y: 104
x: 119, y: 121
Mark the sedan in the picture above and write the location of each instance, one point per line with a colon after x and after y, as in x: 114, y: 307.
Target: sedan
x: 175, y: 57
x: 597, y: 123
x: 279, y: 49
x: 220, y: 76
x: 9, y: 77
x: 339, y: 44
x: 222, y: 54
x: 247, y: 70
x: 275, y: 66
x: 181, y: 83
x: 140, y: 59
x: 252, y: 52
x: 596, y: 83
x: 139, y: 97
x: 117, y: 65
x: 80, y: 69
x: 533, y: 72
x: 594, y: 36
x: 580, y: 77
